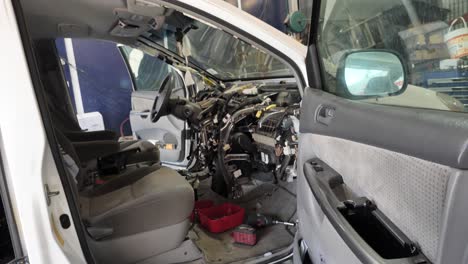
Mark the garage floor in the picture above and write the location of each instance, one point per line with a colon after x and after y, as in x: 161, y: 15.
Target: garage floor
x: 266, y: 198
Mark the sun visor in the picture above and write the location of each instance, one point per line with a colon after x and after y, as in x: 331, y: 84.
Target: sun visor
x: 147, y: 8
x: 73, y: 30
x: 130, y: 24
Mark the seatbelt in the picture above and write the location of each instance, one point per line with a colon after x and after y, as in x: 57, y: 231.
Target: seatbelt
x: 72, y: 162
x: 71, y: 166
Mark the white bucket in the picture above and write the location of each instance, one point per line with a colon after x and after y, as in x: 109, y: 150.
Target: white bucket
x: 457, y: 40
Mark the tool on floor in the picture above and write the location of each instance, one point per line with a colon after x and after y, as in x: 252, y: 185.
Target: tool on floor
x: 245, y: 234
x: 261, y: 220
x: 275, y: 222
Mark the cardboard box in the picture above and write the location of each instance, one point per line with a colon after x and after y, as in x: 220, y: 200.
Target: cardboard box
x: 429, y: 54
x: 426, y: 34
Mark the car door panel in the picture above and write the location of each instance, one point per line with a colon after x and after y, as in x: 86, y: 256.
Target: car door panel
x: 317, y: 232
x: 166, y: 132
x: 412, y: 131
x: 407, y: 161
x: 147, y: 73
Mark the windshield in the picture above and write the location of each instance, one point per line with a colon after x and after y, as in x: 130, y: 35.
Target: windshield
x: 218, y: 53
x: 147, y: 72
x: 418, y: 31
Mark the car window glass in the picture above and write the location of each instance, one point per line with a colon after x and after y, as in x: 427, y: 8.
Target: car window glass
x: 431, y: 38
x: 218, y: 53
x: 289, y: 17
x: 148, y: 72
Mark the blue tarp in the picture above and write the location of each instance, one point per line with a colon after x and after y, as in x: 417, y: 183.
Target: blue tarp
x: 104, y: 81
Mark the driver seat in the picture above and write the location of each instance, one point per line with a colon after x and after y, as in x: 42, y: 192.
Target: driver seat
x: 136, y: 218
x: 91, y: 145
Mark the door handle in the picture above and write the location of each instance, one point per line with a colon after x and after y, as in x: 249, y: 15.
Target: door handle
x: 325, y: 114
x: 143, y: 114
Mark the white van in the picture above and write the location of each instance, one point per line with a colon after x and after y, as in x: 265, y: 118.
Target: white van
x: 330, y: 159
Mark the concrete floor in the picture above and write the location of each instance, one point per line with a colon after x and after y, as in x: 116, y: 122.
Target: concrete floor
x: 266, y: 198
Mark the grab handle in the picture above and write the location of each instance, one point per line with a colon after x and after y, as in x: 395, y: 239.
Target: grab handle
x: 455, y: 21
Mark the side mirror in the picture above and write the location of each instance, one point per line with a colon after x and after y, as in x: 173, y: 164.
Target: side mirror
x: 371, y: 73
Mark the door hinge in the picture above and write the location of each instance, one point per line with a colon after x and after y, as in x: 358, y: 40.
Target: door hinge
x: 20, y: 260
x: 49, y: 193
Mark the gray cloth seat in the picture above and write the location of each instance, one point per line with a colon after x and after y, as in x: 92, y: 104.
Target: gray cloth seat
x: 106, y: 165
x: 64, y: 119
x: 117, y: 181
x: 78, y: 135
x: 88, y: 153
x: 158, y: 199
x: 134, y: 217
x: 147, y: 152
x: 135, y: 151
x: 89, y: 144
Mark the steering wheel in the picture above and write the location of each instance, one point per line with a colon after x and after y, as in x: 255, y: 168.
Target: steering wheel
x: 160, y: 105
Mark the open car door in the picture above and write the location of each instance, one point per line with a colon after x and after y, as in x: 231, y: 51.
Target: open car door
x: 169, y: 133
x: 378, y: 182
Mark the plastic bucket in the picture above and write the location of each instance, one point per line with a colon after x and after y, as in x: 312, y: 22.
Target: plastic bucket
x: 201, y: 204
x: 220, y: 218
x: 457, y: 40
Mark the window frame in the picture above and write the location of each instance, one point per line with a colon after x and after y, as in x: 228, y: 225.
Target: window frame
x: 317, y: 69
x: 9, y: 214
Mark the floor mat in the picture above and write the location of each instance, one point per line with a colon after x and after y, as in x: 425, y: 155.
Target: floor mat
x: 266, y: 198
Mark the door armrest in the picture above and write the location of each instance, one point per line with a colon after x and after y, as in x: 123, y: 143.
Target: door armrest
x: 79, y: 136
x: 90, y: 150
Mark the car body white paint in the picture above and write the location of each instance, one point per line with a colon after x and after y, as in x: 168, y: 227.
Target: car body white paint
x: 27, y: 158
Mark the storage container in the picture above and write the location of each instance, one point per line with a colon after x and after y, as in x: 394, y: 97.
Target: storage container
x: 457, y: 40
x: 426, y: 42
x: 222, y: 217
x: 245, y: 234
x: 200, y: 204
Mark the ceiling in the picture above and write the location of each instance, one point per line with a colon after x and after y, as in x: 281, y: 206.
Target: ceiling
x: 74, y: 18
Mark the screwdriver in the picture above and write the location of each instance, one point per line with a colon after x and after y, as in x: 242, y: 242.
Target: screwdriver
x: 276, y: 222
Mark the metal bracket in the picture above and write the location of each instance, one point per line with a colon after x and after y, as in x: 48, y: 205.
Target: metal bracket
x: 49, y: 193
x: 236, y: 157
x: 20, y: 260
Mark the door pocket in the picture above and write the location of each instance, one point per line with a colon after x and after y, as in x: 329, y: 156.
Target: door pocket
x: 358, y: 218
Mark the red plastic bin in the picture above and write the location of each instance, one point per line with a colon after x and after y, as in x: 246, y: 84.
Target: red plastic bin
x: 200, y: 204
x: 222, y: 217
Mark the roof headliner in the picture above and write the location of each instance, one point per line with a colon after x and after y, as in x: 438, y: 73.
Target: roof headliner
x: 93, y: 18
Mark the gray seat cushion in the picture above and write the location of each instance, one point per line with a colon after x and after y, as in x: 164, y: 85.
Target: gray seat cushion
x: 91, y: 150
x: 117, y: 181
x: 139, y: 144
x: 143, y: 214
x: 77, y: 136
x: 147, y: 152
x: 156, y: 200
